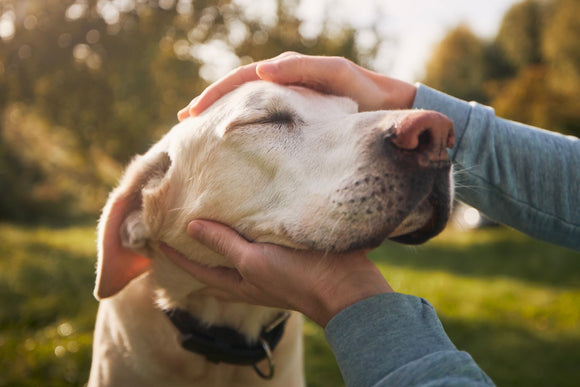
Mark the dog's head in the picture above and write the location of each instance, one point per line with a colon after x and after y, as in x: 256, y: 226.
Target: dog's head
x: 284, y: 165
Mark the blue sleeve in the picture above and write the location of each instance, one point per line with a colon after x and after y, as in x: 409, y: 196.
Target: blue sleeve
x: 518, y: 175
x: 397, y: 340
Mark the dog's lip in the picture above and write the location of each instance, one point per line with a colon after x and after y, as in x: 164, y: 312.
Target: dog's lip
x: 431, y: 228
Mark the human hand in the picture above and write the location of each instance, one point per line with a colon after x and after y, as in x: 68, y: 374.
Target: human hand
x: 331, y: 75
x: 317, y: 284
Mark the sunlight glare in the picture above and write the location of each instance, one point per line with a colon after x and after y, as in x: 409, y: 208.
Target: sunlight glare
x: 471, y: 217
x: 7, y: 29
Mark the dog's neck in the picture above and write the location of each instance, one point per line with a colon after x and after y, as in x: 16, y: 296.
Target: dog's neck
x: 178, y: 290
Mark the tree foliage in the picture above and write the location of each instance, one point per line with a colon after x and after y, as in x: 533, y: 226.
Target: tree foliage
x: 520, y: 34
x: 561, y: 46
x: 85, y: 84
x: 458, y: 64
x: 530, y: 72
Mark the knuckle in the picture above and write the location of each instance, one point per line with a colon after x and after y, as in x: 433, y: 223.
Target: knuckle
x: 288, y: 54
x: 244, y: 261
x: 341, y: 67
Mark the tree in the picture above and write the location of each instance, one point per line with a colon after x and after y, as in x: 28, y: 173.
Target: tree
x: 457, y: 65
x: 520, y: 34
x: 530, y: 72
x: 561, y: 44
x: 542, y: 38
x: 105, y: 78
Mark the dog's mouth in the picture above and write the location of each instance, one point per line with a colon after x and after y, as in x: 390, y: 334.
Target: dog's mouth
x: 434, y: 225
x: 402, y: 209
x: 433, y: 213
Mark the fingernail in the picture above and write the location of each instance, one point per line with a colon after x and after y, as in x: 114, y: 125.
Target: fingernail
x: 194, y: 229
x: 267, y: 69
x: 183, y: 113
x: 188, y: 110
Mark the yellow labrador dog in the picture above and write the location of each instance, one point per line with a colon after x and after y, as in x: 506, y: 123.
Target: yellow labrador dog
x: 284, y: 165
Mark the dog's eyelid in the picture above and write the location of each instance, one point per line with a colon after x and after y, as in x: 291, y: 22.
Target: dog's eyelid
x: 281, y: 117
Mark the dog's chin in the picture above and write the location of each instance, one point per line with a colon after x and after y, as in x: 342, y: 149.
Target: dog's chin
x: 426, y: 221
x: 422, y: 224
x: 422, y: 235
x: 434, y: 224
x: 432, y: 228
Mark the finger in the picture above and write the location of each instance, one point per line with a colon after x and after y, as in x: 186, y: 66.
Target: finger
x: 220, y: 239
x: 223, y: 86
x: 317, y: 72
x: 184, y: 113
x: 219, y: 277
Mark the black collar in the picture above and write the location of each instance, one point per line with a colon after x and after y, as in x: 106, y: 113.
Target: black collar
x: 224, y: 344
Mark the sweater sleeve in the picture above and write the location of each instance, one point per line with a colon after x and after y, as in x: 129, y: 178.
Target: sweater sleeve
x: 397, y: 340
x: 518, y: 175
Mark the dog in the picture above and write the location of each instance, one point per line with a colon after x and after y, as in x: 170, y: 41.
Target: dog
x: 279, y: 164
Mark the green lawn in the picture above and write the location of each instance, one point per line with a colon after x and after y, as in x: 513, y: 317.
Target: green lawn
x: 513, y: 303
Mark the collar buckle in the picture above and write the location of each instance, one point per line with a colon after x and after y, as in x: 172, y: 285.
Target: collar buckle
x: 271, y: 365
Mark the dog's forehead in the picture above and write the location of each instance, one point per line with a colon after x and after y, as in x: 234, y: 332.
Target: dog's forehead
x: 260, y: 94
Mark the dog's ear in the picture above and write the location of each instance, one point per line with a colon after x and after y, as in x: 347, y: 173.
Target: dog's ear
x: 122, y: 231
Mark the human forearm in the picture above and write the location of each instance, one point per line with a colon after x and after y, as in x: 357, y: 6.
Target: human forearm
x: 398, y: 340
x: 521, y: 176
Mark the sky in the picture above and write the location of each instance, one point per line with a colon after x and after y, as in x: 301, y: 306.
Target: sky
x: 411, y: 28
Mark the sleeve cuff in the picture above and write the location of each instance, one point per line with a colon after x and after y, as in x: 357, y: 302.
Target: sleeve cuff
x: 457, y: 110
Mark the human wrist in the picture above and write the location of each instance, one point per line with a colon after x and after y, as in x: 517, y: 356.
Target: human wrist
x: 408, y: 94
x: 396, y: 94
x: 330, y: 304
x: 399, y: 94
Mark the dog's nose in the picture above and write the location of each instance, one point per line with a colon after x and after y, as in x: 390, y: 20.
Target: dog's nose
x: 427, y: 134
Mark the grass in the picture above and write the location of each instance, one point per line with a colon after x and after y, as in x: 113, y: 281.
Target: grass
x: 47, y: 314
x: 511, y: 302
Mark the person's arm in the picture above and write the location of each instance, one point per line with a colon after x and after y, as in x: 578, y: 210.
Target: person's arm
x: 518, y: 175
x: 379, y: 338
x: 397, y: 340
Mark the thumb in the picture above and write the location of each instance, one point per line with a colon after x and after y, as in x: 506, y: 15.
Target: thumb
x: 220, y: 239
x: 221, y: 277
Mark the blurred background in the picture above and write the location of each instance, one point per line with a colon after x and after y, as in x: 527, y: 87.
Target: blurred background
x: 86, y: 84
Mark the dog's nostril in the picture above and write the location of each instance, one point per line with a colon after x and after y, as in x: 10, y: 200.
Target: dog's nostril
x: 424, y: 133
x: 424, y: 140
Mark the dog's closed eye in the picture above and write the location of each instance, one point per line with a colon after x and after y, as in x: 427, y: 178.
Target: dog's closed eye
x: 280, y: 118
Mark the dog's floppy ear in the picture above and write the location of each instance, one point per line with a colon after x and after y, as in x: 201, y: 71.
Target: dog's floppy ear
x: 122, y: 231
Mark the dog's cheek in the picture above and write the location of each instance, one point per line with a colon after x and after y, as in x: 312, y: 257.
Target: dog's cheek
x: 156, y: 209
